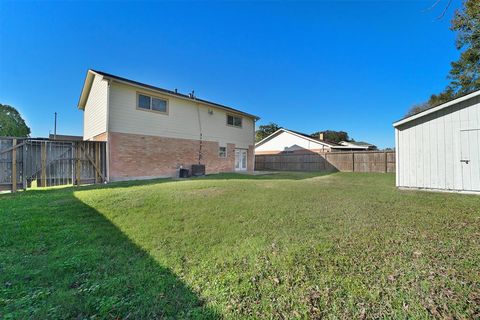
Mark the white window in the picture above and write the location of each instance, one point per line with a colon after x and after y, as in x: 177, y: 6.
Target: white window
x: 234, y: 121
x: 145, y: 102
x: 222, y: 152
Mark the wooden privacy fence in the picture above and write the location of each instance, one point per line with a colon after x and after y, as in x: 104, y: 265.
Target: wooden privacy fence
x: 50, y: 162
x: 356, y: 161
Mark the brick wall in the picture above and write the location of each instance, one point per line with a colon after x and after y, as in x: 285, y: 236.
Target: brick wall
x: 133, y: 156
x: 251, y: 159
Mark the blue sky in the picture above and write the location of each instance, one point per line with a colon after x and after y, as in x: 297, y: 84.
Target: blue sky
x: 355, y: 66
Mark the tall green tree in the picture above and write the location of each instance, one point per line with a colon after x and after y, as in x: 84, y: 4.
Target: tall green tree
x: 465, y: 73
x: 265, y: 130
x: 12, y: 123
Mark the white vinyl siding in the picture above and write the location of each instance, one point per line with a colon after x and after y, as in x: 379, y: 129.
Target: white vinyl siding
x: 185, y: 119
x: 429, y: 149
x: 95, y: 114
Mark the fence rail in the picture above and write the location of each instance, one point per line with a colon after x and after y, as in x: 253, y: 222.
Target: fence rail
x: 24, y: 161
x: 356, y: 161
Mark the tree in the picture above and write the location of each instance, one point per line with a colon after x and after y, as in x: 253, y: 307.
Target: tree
x: 435, y: 100
x: 265, y: 130
x: 12, y: 123
x: 465, y: 73
x: 332, y: 135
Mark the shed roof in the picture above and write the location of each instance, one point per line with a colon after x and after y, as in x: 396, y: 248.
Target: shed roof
x: 436, y: 108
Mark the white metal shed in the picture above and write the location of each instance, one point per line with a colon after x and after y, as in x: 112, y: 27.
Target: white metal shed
x: 439, y: 148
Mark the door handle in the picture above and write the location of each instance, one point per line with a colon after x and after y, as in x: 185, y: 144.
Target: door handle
x: 466, y: 161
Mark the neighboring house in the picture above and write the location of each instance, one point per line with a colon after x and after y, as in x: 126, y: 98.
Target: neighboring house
x: 439, y: 148
x: 152, y: 132
x: 289, y: 141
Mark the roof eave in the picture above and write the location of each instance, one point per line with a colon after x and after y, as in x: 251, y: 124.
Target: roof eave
x: 87, y: 86
x: 435, y: 109
x: 270, y: 136
x: 171, y: 94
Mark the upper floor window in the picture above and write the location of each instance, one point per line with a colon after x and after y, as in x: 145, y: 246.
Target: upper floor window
x: 152, y: 103
x: 235, y: 121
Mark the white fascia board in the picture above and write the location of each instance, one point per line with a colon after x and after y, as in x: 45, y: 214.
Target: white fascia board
x: 87, y: 86
x: 437, y: 108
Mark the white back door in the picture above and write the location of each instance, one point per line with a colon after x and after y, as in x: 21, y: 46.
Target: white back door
x: 240, y: 160
x: 470, y: 159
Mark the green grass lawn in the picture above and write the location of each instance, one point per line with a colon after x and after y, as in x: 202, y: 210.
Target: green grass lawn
x: 290, y: 245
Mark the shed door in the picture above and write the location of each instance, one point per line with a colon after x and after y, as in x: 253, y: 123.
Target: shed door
x: 470, y: 159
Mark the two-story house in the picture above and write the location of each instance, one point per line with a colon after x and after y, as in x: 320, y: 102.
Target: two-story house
x: 152, y: 132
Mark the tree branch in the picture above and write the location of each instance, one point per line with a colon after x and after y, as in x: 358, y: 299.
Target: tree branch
x: 435, y: 4
x: 444, y: 10
x: 432, y: 6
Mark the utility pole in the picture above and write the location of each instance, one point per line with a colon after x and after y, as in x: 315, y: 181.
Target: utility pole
x: 55, y: 128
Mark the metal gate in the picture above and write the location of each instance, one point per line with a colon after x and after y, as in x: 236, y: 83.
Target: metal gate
x: 25, y: 163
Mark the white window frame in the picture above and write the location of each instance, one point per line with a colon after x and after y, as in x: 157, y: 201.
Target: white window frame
x: 234, y: 116
x: 151, y: 101
x: 222, y: 152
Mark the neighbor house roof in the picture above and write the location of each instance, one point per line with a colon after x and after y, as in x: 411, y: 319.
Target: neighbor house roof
x: 356, y: 144
x: 302, y: 135
x: 91, y: 73
x: 436, y: 108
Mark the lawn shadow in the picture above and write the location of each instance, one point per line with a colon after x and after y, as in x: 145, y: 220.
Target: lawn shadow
x: 60, y: 258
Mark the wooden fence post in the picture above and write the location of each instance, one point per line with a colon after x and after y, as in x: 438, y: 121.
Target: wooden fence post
x: 14, y: 166
x: 77, y: 164
x: 43, y: 164
x: 97, y: 162
x: 353, y: 161
x: 24, y: 165
x: 386, y: 162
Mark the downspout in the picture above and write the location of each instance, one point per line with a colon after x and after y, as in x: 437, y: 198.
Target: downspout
x: 107, y: 151
x: 201, y: 134
x: 254, y: 137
